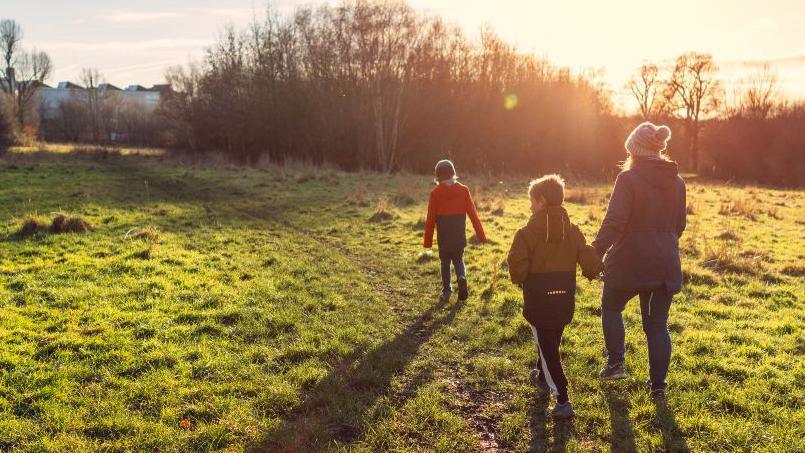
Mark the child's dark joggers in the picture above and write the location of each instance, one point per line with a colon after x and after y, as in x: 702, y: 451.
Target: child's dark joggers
x: 550, y: 364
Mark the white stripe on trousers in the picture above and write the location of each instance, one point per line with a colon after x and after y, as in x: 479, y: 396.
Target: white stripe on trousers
x: 544, y: 364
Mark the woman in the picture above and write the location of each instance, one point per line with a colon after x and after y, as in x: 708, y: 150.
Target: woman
x: 639, y: 240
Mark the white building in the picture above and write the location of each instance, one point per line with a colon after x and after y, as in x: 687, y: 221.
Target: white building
x: 51, y: 98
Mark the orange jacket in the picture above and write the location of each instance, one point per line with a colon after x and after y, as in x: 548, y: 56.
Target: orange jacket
x: 447, y: 210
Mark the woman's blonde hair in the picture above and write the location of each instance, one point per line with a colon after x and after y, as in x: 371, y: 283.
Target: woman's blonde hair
x: 630, y: 160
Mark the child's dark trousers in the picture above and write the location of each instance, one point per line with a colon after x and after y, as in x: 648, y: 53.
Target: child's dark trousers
x: 550, y: 363
x: 456, y: 258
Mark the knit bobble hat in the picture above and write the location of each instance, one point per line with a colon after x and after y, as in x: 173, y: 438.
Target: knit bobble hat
x: 445, y: 170
x: 648, y: 140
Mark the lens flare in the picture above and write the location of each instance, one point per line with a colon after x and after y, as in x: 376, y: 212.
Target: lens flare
x: 510, y: 102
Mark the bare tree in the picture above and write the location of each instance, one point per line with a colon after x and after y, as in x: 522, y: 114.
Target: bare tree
x: 10, y: 39
x: 646, y: 87
x: 762, y: 94
x: 91, y: 79
x: 693, y: 92
x: 33, y: 68
x: 25, y: 71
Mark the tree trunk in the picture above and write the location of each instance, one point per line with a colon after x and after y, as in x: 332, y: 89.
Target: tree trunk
x: 694, y: 147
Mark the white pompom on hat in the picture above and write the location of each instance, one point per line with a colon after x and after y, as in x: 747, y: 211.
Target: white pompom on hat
x: 648, y: 140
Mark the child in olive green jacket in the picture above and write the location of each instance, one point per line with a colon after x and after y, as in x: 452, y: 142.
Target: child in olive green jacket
x: 543, y: 259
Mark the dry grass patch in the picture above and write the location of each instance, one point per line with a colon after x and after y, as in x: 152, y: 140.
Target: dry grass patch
x: 774, y: 213
x: 360, y: 196
x: 725, y: 259
x: 745, y: 207
x: 61, y: 223
x: 146, y: 234
x: 406, y: 195
x: 499, y: 205
x: 149, y: 235
x: 728, y: 235
x: 64, y: 223
x: 31, y: 226
x: 579, y: 196
x: 794, y: 270
x: 384, y: 211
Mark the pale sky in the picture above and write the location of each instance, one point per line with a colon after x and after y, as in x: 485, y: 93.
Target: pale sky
x: 135, y: 41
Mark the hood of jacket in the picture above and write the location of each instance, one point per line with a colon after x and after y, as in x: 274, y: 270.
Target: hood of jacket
x: 451, y: 191
x: 657, y: 172
x: 551, y: 223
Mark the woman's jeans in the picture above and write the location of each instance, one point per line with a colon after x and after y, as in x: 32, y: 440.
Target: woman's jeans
x: 654, y: 306
x: 457, y: 260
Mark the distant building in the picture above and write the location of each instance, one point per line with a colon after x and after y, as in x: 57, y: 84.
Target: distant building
x: 135, y: 95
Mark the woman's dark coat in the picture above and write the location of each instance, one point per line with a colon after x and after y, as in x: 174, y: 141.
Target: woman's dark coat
x: 639, y: 237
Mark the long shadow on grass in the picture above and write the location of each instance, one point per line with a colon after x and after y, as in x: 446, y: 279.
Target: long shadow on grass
x: 562, y: 429
x: 672, y: 437
x: 335, y: 410
x: 622, y: 439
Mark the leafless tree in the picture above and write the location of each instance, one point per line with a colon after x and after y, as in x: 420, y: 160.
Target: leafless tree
x: 10, y: 42
x: 25, y: 70
x: 693, y: 92
x: 10, y: 38
x: 94, y: 101
x: 33, y: 68
x: 646, y: 87
x: 762, y: 94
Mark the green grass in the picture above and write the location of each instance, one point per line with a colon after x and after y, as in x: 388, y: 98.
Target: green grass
x: 291, y: 309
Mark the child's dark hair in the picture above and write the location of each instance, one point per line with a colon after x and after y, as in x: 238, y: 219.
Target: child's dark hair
x: 550, y: 187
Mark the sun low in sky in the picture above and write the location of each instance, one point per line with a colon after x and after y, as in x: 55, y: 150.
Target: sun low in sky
x: 134, y: 42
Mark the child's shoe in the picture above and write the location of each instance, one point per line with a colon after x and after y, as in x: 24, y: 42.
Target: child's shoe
x: 562, y: 411
x: 612, y: 372
x: 658, y: 396
x: 463, y: 291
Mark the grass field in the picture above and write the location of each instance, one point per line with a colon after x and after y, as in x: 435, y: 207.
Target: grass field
x: 291, y: 309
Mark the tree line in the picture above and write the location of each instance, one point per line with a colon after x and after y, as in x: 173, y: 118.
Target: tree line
x: 370, y: 85
x: 378, y: 85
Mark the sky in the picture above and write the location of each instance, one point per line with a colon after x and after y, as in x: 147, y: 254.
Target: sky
x: 136, y: 41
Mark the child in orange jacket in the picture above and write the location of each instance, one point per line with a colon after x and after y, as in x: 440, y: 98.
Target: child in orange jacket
x: 450, y: 203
